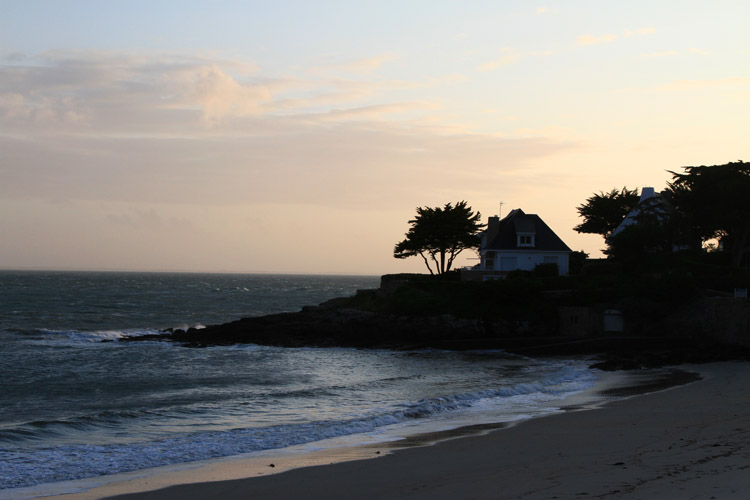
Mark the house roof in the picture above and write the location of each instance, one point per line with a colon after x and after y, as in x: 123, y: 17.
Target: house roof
x: 650, y: 201
x: 504, y: 235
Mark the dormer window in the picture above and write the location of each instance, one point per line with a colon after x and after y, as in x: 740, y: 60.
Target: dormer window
x: 525, y: 240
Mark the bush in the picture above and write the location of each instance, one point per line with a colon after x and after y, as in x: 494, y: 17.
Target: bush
x: 576, y: 261
x: 549, y: 270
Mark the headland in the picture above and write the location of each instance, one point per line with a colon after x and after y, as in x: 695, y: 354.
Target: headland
x: 643, y: 321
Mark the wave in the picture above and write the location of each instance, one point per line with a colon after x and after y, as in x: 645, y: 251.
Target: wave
x: 41, y: 430
x: 20, y: 467
x: 45, y: 335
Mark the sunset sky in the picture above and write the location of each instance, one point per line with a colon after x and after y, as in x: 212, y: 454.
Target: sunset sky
x: 299, y: 136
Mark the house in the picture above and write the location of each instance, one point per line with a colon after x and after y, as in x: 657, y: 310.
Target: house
x: 650, y: 202
x: 654, y: 207
x: 519, y: 241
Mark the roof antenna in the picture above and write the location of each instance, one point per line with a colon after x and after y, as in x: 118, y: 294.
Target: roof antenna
x: 500, y: 213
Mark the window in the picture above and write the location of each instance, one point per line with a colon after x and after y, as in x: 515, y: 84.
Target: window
x: 525, y: 240
x: 490, y: 258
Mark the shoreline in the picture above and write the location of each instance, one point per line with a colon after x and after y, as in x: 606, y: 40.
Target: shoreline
x: 690, y: 441
x: 610, y: 385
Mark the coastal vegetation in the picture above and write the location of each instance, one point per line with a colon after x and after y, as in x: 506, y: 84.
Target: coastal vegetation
x: 603, y: 212
x: 712, y: 203
x: 704, y: 208
x: 438, y: 235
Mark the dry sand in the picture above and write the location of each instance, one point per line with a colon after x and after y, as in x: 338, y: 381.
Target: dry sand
x: 691, y: 441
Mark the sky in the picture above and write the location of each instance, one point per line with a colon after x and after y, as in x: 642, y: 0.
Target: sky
x: 300, y: 136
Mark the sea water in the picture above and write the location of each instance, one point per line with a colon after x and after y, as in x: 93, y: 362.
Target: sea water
x: 75, y: 403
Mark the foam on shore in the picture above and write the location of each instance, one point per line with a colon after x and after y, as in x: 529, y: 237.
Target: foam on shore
x: 611, y: 386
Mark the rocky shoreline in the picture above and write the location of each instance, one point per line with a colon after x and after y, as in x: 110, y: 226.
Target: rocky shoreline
x: 338, y: 324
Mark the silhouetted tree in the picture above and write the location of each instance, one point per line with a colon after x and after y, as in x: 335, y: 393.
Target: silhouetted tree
x: 603, y: 212
x: 714, y: 202
x: 654, y: 231
x: 439, y: 234
x: 576, y: 261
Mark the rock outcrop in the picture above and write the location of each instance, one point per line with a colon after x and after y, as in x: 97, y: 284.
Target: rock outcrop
x: 699, y: 331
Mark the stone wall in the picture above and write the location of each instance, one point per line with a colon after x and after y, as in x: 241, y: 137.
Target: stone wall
x: 725, y: 320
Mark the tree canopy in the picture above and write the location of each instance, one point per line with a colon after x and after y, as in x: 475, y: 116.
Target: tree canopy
x: 700, y: 204
x: 439, y: 234
x: 714, y: 202
x: 603, y: 212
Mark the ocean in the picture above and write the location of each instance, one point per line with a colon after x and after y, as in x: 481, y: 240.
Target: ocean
x: 77, y: 404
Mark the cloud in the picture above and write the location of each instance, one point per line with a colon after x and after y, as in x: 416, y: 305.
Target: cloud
x: 696, y: 85
x: 220, y: 95
x: 662, y: 54
x: 374, y: 111
x: 508, y: 55
x: 363, y: 66
x: 120, y: 93
x: 641, y: 31
x: 319, y: 97
x: 173, y: 129
x: 595, y: 40
x: 344, y: 164
x: 496, y: 112
x: 88, y: 88
x: 588, y: 39
x: 149, y: 220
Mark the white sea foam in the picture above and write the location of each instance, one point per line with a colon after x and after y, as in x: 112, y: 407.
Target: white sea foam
x: 94, y: 336
x: 70, y: 462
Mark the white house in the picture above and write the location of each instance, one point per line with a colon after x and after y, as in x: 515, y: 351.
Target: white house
x: 649, y: 202
x: 655, y: 205
x: 519, y: 241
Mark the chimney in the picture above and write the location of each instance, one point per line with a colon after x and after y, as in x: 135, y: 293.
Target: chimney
x: 646, y: 193
x: 493, y: 227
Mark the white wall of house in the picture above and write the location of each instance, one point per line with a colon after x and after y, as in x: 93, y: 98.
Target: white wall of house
x: 526, y: 260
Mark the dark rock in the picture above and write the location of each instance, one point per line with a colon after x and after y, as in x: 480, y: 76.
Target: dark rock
x: 363, y: 322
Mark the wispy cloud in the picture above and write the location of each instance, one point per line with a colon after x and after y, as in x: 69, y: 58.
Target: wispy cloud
x: 144, y: 129
x: 363, y: 66
x: 662, y: 54
x: 696, y: 85
x: 542, y: 10
x: 89, y: 88
x: 641, y: 31
x: 509, y: 56
x: 595, y: 40
x: 149, y: 220
x: 589, y: 39
x: 375, y: 111
x: 116, y: 91
x: 673, y: 53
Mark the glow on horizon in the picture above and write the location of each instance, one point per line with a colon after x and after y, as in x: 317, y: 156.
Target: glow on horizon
x: 298, y: 137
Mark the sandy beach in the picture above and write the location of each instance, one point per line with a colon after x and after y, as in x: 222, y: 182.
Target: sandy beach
x: 688, y: 442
